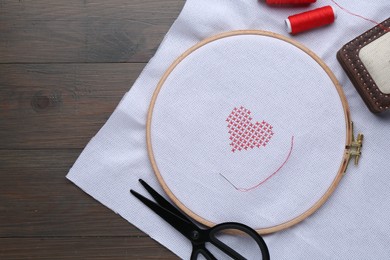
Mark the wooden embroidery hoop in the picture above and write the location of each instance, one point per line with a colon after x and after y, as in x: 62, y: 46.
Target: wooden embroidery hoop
x: 352, y: 147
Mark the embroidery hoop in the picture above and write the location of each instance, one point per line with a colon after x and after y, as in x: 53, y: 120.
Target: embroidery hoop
x: 349, y: 139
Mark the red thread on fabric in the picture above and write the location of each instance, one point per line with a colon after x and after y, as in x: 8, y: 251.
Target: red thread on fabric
x: 290, y: 2
x: 244, y: 134
x: 311, y: 19
x: 269, y: 177
x: 387, y: 29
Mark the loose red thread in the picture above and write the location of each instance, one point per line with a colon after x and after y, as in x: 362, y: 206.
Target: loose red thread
x: 290, y: 2
x: 311, y: 19
x: 244, y: 134
x: 269, y: 177
x: 387, y: 29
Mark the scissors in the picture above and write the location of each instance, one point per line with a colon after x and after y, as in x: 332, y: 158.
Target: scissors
x: 198, y: 237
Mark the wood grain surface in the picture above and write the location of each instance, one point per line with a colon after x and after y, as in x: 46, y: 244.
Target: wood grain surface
x: 64, y: 66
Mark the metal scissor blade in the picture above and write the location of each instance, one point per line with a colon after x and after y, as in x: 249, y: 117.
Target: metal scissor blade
x: 163, y: 202
x: 181, y: 225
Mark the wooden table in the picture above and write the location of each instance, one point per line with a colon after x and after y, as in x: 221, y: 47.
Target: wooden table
x: 64, y: 66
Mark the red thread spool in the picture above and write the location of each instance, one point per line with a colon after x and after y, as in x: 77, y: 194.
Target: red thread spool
x: 290, y: 2
x: 309, y: 20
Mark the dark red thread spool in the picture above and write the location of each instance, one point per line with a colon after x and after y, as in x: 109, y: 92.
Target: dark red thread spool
x: 290, y: 2
x: 309, y: 20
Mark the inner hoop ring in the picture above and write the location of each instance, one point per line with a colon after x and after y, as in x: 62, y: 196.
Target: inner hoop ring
x: 348, y: 125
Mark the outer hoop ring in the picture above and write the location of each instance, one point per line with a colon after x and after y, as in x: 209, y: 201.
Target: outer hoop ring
x: 344, y: 160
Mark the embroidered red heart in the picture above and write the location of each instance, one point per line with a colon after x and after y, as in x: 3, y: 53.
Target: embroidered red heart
x: 244, y: 134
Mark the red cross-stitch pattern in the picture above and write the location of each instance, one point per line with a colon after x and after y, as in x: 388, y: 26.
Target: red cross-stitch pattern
x: 244, y: 134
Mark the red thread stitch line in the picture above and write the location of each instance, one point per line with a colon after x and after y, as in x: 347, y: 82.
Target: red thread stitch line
x: 269, y: 177
x: 387, y: 29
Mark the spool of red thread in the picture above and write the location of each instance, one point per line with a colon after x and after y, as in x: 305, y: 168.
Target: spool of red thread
x: 309, y: 20
x: 290, y: 2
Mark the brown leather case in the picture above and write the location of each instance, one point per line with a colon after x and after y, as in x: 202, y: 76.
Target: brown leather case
x: 348, y: 56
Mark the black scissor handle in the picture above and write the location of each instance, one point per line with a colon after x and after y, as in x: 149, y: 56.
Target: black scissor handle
x: 241, y: 227
x: 201, y: 250
x: 199, y: 237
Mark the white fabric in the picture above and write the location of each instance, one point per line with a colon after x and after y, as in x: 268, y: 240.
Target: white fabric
x: 353, y: 224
